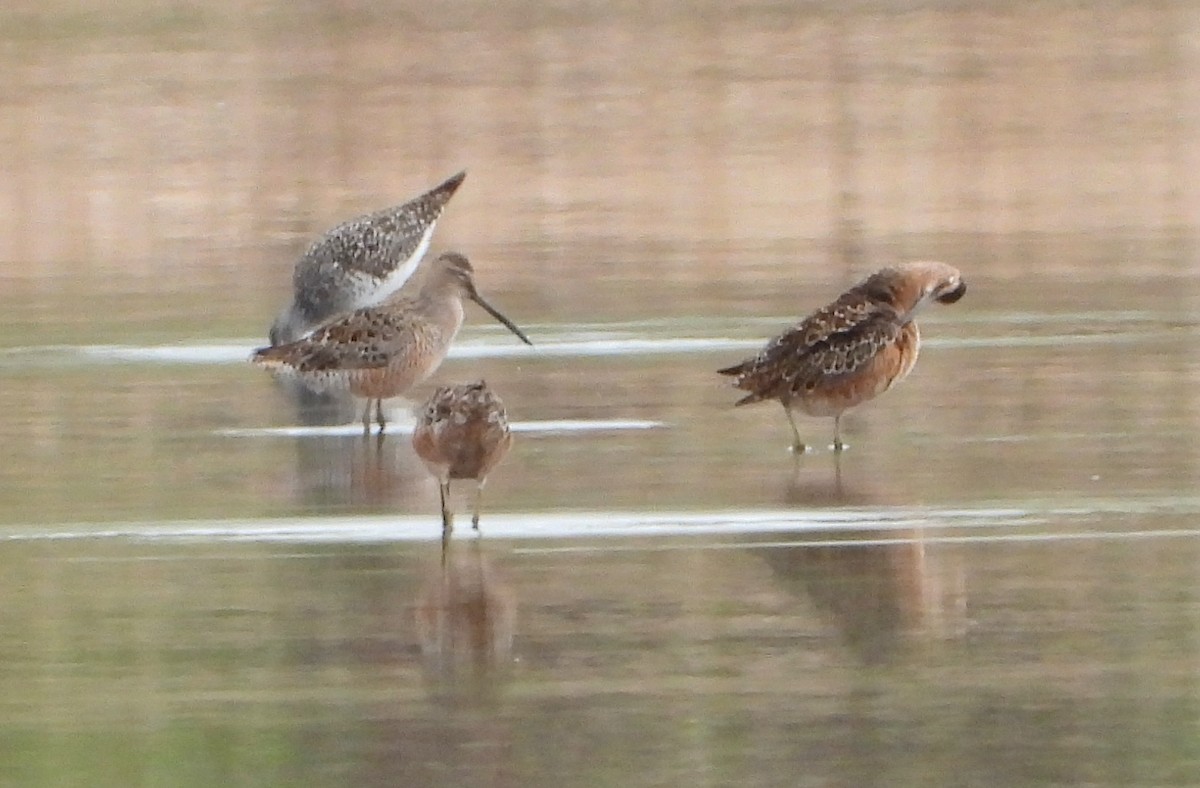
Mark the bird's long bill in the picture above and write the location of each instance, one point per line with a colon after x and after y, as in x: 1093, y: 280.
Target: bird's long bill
x: 494, y: 312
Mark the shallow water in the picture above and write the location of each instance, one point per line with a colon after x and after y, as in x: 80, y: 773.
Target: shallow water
x: 995, y: 584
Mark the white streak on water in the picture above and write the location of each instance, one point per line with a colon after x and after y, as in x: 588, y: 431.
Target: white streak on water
x: 566, y: 345
x: 547, y: 525
x: 548, y: 426
x: 239, y: 354
x: 923, y: 539
x: 1029, y: 522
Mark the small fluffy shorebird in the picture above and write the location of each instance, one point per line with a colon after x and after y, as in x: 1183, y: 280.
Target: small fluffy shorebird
x: 851, y: 350
x: 361, y: 262
x: 462, y: 433
x: 382, y: 351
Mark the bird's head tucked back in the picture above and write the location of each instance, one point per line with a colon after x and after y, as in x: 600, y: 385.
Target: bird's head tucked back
x: 910, y: 286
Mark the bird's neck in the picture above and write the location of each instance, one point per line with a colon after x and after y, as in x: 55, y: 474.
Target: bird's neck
x: 444, y: 307
x: 907, y: 298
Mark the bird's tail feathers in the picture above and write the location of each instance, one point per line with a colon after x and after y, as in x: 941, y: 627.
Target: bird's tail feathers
x: 749, y: 399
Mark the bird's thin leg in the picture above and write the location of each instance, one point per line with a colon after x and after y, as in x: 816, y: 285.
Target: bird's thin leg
x: 478, y: 505
x: 447, y: 517
x: 366, y: 419
x: 379, y: 415
x: 798, y: 446
x: 837, y: 433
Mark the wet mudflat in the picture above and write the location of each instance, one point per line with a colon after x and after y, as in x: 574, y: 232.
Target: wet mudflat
x: 995, y: 584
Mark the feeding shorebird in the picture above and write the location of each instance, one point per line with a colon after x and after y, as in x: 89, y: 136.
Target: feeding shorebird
x: 462, y: 433
x: 361, y: 262
x: 382, y: 351
x: 851, y: 350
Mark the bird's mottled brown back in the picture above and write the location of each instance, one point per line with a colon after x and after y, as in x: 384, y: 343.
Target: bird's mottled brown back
x: 834, y: 342
x: 462, y: 432
x: 367, y: 338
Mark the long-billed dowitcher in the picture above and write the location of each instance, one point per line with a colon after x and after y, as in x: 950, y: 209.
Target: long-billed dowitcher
x: 361, y: 262
x: 462, y: 433
x: 382, y: 351
x: 851, y: 350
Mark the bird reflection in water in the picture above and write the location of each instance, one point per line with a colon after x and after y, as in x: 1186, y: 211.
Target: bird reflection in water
x: 831, y: 488
x: 336, y: 471
x: 881, y: 589
x: 879, y: 594
x: 342, y: 470
x: 317, y: 408
x: 817, y: 481
x: 465, y: 620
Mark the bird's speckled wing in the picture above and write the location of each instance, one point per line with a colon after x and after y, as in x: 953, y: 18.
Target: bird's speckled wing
x: 367, y: 338
x: 371, y: 246
x: 836, y: 341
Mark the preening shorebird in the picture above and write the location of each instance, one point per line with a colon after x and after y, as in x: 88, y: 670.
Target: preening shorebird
x: 851, y: 350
